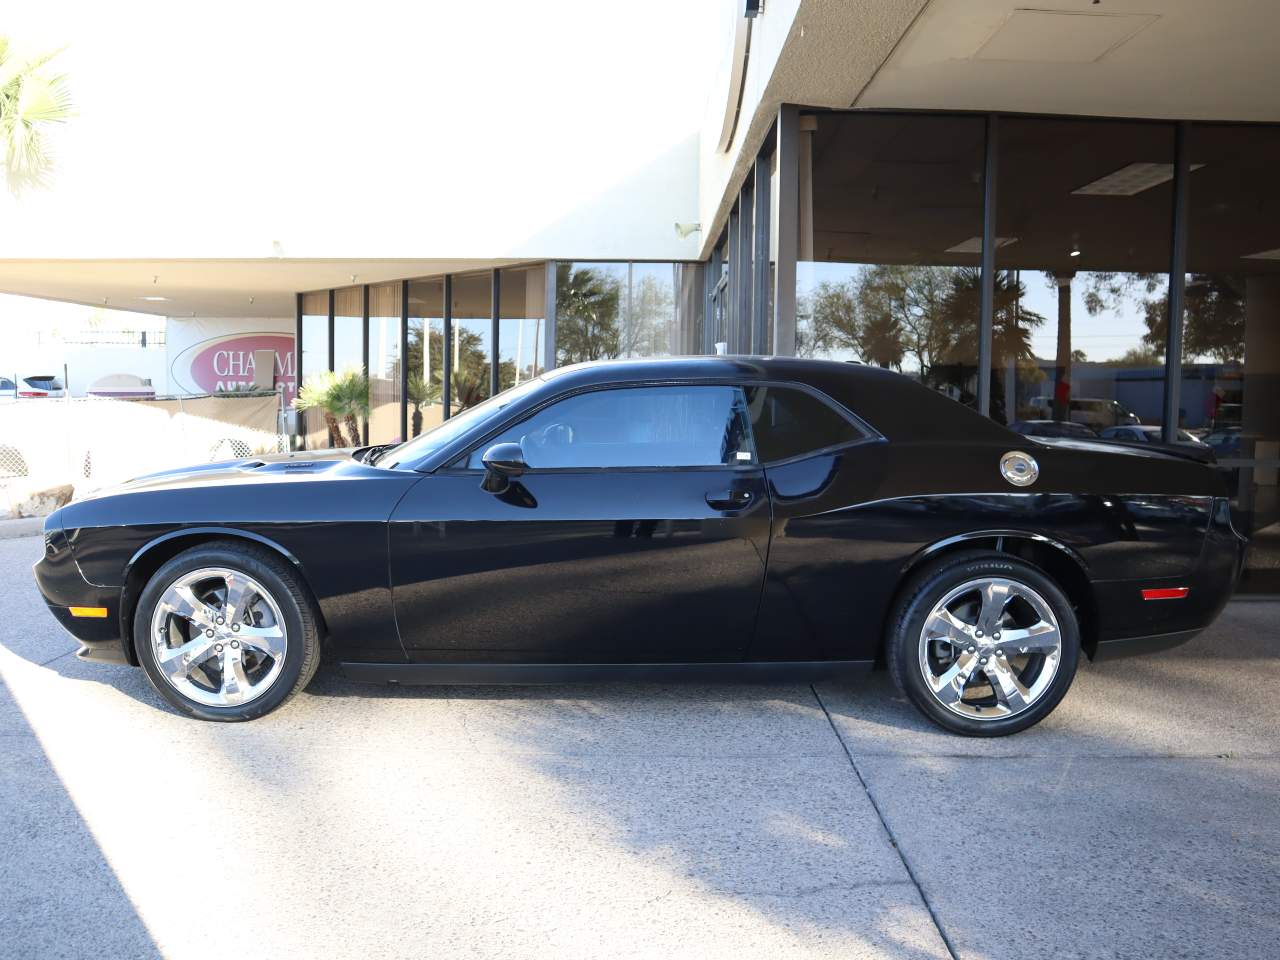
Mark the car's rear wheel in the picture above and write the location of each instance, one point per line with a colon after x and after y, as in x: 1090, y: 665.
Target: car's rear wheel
x: 226, y: 632
x: 983, y: 644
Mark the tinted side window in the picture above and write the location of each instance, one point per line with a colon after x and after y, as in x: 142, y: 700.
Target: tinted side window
x: 787, y: 423
x: 690, y: 426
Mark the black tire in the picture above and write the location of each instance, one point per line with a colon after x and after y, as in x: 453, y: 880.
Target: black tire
x: 300, y: 621
x: 929, y: 586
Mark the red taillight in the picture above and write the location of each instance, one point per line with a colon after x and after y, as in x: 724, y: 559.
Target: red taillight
x: 1166, y: 593
x: 32, y: 393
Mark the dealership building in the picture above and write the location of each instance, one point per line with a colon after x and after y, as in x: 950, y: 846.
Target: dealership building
x: 1009, y: 204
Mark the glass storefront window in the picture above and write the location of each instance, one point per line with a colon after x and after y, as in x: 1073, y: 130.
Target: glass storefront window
x: 889, y: 265
x: 426, y: 355
x: 522, y: 328
x: 609, y: 310
x: 384, y: 363
x: 314, y: 360
x: 651, y: 315
x: 472, y: 341
x: 590, y: 298
x: 348, y: 330
x: 1230, y: 392
x: 1083, y: 228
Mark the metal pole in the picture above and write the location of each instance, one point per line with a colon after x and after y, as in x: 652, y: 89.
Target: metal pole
x: 331, y: 328
x: 1177, y: 284
x: 988, y: 266
x: 404, y: 359
x: 445, y: 341
x: 495, y: 380
x: 549, y: 308
x: 297, y: 366
x: 364, y: 325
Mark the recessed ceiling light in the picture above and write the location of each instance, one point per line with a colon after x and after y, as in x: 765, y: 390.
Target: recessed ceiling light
x: 974, y: 245
x: 1263, y: 255
x: 1130, y: 180
x: 155, y: 299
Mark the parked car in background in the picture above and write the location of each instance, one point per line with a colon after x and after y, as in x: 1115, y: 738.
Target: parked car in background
x: 1225, y: 442
x: 1052, y: 428
x: 8, y: 389
x: 1146, y: 434
x: 730, y: 517
x: 40, y: 386
x: 1093, y: 412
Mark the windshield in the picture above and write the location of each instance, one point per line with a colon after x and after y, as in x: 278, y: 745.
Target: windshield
x: 441, y: 436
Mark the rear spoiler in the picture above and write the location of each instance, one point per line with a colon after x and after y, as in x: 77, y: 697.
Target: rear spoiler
x: 1199, y: 452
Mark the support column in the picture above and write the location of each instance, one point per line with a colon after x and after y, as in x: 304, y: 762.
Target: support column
x: 1177, y: 286
x: 987, y: 307
x: 784, y: 295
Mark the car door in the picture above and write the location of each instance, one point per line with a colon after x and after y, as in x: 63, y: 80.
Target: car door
x: 638, y: 533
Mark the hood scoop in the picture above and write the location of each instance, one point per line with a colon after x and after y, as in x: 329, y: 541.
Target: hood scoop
x: 289, y: 466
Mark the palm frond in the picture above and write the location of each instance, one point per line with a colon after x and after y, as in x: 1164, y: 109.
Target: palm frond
x: 31, y: 99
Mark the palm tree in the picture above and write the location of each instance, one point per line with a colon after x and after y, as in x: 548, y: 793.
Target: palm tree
x: 420, y: 393
x: 350, y: 400
x: 31, y: 98
x: 317, y: 394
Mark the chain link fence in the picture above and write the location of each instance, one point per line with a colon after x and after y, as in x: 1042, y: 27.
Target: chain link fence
x: 51, y: 450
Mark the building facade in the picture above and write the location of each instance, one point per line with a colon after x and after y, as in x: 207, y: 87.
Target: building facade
x: 1066, y: 215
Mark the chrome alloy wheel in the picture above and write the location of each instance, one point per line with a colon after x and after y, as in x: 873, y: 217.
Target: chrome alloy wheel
x: 218, y: 637
x: 990, y: 648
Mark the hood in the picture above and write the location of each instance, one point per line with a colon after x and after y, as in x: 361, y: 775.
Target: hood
x: 266, y: 467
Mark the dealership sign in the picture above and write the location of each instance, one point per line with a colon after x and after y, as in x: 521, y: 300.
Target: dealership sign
x: 221, y: 364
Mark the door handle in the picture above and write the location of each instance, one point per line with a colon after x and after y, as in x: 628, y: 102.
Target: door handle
x: 728, y: 499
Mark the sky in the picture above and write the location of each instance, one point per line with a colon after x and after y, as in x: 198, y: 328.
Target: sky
x: 220, y: 129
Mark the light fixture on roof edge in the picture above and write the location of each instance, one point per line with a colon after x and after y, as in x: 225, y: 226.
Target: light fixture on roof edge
x: 1129, y: 180
x: 974, y: 245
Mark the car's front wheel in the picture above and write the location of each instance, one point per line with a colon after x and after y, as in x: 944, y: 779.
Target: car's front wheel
x: 226, y: 632
x: 985, y: 645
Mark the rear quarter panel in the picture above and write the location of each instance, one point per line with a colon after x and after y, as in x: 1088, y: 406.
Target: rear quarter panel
x: 848, y: 526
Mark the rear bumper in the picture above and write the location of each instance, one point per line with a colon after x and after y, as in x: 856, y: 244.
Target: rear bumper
x: 1137, y: 646
x: 1132, y: 624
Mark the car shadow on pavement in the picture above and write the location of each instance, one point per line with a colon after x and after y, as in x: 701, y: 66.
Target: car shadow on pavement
x: 59, y: 895
x: 776, y: 815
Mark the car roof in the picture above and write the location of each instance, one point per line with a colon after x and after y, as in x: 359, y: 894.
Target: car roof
x: 894, y: 404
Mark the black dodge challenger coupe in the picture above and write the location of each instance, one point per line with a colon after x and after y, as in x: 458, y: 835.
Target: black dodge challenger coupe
x: 709, y: 517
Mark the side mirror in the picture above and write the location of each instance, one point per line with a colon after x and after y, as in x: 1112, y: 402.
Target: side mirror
x: 502, y: 462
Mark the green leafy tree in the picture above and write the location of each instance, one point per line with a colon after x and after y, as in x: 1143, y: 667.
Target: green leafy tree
x: 317, y: 393
x: 1144, y: 356
x: 32, y: 98
x: 469, y: 377
x: 1011, y: 326
x: 1214, y: 318
x: 833, y: 324
x: 652, y: 311
x: 349, y: 401
x: 587, y: 314
x: 421, y: 393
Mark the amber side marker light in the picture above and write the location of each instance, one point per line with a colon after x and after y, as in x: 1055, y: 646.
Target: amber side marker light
x: 1166, y: 593
x: 98, y: 613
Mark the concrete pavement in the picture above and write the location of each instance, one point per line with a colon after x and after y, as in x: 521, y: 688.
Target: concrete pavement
x: 637, y: 821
